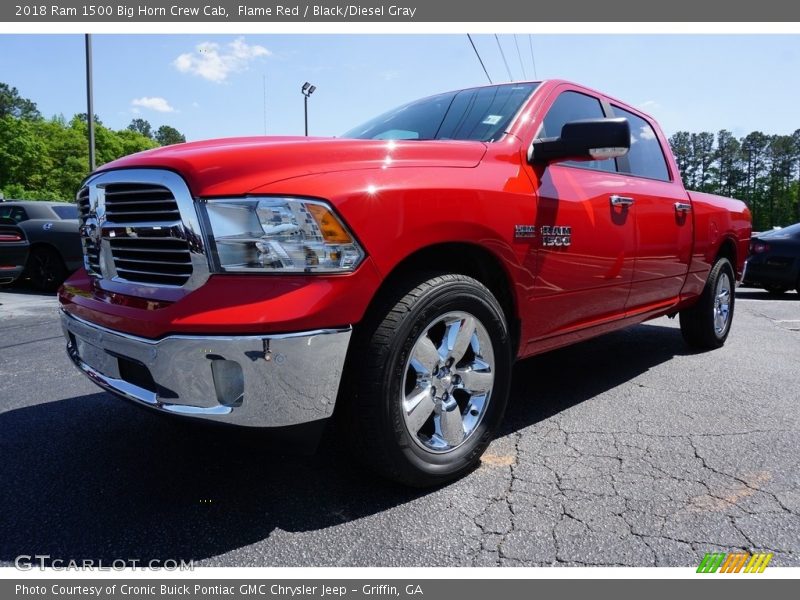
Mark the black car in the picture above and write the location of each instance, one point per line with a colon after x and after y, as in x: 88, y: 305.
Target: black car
x: 774, y: 261
x: 40, y: 241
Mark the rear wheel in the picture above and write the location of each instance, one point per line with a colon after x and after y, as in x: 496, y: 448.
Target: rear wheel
x: 427, y: 384
x: 45, y: 269
x: 706, y: 325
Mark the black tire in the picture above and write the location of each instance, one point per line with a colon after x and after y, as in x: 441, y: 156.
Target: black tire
x: 776, y: 290
x: 45, y: 269
x: 380, y: 369
x: 698, y: 324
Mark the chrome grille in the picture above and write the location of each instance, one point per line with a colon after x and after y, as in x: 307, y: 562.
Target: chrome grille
x: 136, y: 203
x: 91, y: 248
x: 159, y: 260
x: 140, y: 226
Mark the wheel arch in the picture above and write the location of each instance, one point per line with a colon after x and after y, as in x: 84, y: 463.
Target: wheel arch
x: 464, y: 258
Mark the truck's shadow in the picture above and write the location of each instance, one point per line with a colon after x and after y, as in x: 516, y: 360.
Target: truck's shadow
x: 90, y: 477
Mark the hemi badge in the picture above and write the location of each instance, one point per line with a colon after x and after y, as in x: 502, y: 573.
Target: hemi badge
x: 524, y: 231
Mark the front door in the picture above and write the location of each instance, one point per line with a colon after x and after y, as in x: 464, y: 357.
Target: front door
x: 585, y: 232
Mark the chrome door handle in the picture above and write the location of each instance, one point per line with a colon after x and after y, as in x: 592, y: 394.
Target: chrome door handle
x: 682, y: 207
x: 620, y: 200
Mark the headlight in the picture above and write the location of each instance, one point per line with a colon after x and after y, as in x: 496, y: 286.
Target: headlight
x: 284, y: 235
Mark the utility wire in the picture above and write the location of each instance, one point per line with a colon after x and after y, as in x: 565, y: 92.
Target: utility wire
x: 480, y: 60
x: 503, y: 54
x: 519, y: 54
x: 533, y: 60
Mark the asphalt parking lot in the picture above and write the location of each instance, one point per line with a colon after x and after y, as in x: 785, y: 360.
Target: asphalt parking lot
x: 624, y: 450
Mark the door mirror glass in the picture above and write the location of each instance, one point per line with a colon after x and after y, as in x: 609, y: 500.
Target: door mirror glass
x: 585, y: 139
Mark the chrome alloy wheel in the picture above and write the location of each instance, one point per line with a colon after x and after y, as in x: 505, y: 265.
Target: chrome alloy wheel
x: 722, y: 304
x: 448, y: 382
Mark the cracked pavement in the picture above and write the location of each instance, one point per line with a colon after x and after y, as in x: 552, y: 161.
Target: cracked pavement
x: 624, y: 450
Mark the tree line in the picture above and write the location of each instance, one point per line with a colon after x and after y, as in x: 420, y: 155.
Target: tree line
x: 763, y: 170
x: 46, y: 159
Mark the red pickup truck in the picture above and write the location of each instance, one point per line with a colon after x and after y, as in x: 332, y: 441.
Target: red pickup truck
x: 391, y: 277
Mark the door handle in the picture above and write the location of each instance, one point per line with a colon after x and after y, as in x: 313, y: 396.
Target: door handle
x: 682, y: 207
x: 620, y: 200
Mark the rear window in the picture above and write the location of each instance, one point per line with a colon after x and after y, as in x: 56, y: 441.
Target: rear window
x: 68, y: 211
x: 792, y: 231
x: 15, y: 213
x: 645, y: 157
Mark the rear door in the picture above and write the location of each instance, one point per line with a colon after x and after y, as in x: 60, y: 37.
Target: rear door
x: 583, y: 236
x: 663, y: 218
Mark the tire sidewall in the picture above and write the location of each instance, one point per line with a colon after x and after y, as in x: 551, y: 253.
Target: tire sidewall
x: 458, y: 295
x: 723, y: 266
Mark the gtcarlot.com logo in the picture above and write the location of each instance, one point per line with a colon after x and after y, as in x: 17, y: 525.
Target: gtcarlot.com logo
x: 27, y: 562
x: 737, y: 562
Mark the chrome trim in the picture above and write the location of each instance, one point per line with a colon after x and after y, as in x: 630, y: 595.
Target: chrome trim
x: 447, y: 382
x: 620, y: 200
x: 98, y: 225
x: 682, y: 207
x: 288, y: 379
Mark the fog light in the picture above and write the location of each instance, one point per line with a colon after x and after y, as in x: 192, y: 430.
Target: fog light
x: 228, y: 382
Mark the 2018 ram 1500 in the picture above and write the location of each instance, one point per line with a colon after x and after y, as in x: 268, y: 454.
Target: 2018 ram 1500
x: 391, y: 277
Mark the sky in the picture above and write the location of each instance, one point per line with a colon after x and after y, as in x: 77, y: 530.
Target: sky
x: 219, y: 86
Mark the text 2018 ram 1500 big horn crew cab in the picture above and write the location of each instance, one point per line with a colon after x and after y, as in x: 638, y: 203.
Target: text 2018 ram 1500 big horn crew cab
x: 391, y: 277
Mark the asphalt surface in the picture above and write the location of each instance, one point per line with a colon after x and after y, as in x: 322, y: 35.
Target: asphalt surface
x: 624, y: 450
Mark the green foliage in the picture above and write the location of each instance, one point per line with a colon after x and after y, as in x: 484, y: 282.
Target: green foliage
x: 763, y: 170
x: 141, y: 126
x: 47, y: 159
x: 14, y: 105
x: 167, y: 135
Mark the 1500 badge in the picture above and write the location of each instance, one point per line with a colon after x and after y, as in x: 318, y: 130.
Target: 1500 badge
x: 552, y: 235
x: 556, y: 235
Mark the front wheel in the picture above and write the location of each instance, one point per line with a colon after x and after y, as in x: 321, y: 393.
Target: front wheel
x: 706, y: 325
x: 428, y: 380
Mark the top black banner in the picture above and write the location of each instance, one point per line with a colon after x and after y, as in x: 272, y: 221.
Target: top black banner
x: 408, y: 11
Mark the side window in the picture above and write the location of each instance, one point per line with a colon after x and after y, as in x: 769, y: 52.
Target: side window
x: 573, y: 106
x: 646, y: 158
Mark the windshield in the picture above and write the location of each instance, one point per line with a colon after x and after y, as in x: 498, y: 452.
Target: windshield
x: 479, y: 114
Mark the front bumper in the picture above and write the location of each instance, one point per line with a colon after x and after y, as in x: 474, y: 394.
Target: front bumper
x: 257, y: 381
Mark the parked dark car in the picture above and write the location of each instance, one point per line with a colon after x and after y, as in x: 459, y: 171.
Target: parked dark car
x: 39, y: 241
x: 774, y: 261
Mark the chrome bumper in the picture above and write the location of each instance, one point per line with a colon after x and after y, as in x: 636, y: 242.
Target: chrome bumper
x: 257, y: 381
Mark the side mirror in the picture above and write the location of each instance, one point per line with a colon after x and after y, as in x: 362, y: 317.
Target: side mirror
x: 587, y: 139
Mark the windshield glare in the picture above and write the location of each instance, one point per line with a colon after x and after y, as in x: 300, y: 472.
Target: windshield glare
x: 479, y: 114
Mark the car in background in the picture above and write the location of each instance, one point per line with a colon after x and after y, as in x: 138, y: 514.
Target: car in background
x: 39, y: 241
x: 774, y: 261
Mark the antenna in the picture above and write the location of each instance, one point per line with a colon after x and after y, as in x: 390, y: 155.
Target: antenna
x: 264, y: 81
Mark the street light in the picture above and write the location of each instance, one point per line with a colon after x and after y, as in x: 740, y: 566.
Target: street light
x: 307, y: 90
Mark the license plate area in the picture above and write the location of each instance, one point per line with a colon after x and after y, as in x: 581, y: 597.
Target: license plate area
x: 95, y: 357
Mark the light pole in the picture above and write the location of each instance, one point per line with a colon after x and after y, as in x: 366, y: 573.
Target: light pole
x: 90, y: 101
x: 307, y: 90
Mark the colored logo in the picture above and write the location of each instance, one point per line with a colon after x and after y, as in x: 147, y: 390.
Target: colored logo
x: 737, y: 562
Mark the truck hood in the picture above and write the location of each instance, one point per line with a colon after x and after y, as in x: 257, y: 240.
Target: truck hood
x: 239, y: 165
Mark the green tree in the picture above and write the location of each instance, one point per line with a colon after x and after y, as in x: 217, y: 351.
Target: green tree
x: 754, y: 150
x: 681, y: 144
x: 702, y: 159
x: 14, y: 105
x: 141, y: 126
x: 728, y: 163
x: 167, y: 136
